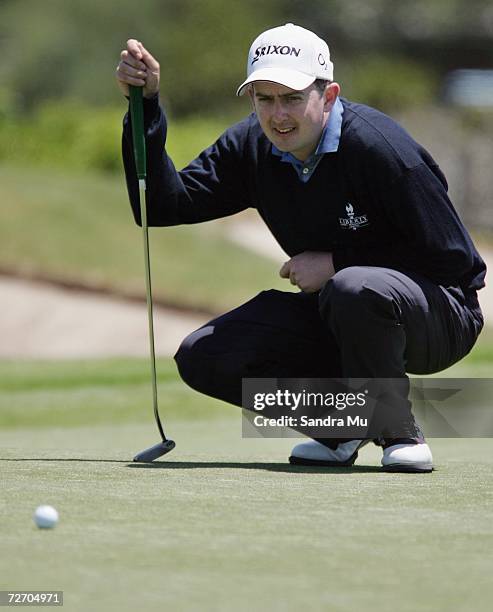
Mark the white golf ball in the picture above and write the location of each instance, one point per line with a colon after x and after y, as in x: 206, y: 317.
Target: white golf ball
x: 45, y: 517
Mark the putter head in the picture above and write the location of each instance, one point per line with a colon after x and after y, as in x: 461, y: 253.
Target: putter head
x: 148, y: 455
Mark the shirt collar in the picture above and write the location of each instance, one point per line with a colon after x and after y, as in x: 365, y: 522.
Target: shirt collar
x: 331, y: 134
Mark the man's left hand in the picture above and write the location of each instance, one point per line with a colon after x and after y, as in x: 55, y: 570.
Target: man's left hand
x: 309, y: 270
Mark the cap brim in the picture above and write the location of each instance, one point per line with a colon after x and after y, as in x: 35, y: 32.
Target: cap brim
x: 289, y: 78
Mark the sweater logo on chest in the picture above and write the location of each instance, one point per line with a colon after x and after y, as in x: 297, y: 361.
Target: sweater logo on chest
x: 352, y: 221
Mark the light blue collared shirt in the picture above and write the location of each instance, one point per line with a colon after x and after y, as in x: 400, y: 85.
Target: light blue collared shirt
x: 328, y: 143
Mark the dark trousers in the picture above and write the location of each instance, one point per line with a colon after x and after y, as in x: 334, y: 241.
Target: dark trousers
x: 366, y: 322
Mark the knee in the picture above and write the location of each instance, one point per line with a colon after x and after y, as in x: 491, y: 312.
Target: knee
x: 191, y: 359
x: 355, y: 292
x: 343, y: 291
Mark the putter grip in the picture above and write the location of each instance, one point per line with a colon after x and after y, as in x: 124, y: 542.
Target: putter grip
x: 137, y: 116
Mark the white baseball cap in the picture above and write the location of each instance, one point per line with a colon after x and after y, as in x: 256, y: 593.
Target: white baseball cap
x: 289, y: 55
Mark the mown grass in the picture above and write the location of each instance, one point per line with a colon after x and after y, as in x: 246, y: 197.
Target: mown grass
x: 226, y: 524
x: 74, y: 393
x: 223, y: 523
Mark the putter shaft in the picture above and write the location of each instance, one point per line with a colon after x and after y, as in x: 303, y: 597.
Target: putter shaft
x: 150, y: 316
x: 139, y: 145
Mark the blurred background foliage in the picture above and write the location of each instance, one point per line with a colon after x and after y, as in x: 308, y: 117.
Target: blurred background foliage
x: 59, y: 103
x: 386, y: 52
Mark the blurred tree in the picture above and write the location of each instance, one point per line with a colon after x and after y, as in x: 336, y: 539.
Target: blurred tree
x: 56, y: 48
x: 389, y: 83
x: 442, y: 33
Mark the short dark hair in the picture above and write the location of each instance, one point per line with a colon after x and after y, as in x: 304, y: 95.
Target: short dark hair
x: 321, y: 84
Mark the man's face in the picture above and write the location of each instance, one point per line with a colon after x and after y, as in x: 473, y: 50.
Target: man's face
x: 293, y: 120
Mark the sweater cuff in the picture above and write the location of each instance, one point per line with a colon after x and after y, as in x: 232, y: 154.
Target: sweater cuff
x: 151, y: 109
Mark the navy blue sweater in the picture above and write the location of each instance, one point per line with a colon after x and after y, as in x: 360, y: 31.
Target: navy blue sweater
x: 380, y: 200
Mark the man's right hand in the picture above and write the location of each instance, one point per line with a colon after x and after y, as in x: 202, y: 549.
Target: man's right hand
x: 137, y: 67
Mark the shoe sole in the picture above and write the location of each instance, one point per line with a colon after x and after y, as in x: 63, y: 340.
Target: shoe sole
x: 410, y: 469
x: 317, y: 462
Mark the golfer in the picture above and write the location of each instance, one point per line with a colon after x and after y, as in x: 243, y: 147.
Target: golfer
x: 387, y: 274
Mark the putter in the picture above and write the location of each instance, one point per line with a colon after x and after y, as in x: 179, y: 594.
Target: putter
x: 137, y: 115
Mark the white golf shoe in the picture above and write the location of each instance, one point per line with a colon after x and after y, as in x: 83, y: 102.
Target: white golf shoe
x: 314, y: 453
x: 407, y: 458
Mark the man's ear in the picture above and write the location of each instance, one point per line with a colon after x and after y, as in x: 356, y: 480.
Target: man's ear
x: 330, y: 94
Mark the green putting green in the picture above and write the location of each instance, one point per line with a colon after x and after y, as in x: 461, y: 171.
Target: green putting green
x: 222, y: 523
